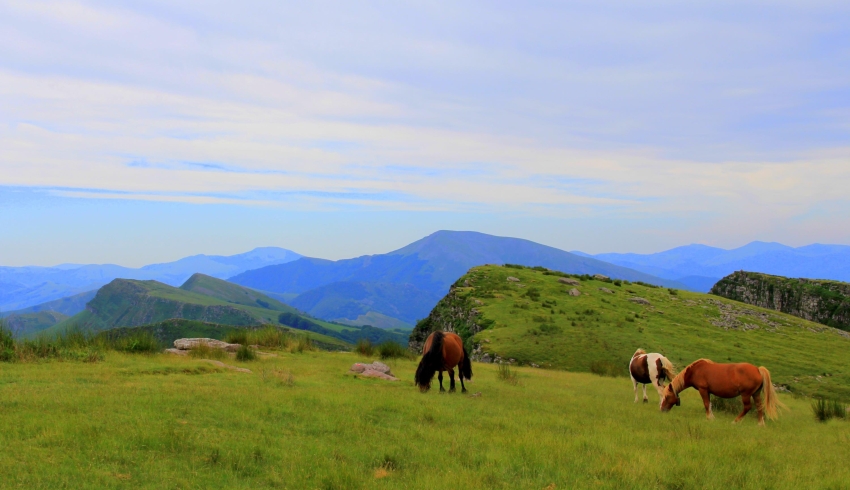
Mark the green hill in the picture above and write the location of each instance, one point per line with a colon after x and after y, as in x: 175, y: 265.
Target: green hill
x: 132, y: 303
x: 22, y: 324
x: 536, y: 321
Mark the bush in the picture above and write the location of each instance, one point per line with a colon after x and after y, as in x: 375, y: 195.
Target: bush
x: 245, y: 354
x: 672, y: 291
x: 393, y: 350
x: 364, y: 348
x: 302, y: 344
x: 607, y: 368
x: 269, y: 336
x: 825, y: 409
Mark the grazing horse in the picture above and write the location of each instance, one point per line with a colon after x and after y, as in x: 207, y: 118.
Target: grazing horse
x: 442, y: 352
x: 650, y: 369
x: 726, y: 381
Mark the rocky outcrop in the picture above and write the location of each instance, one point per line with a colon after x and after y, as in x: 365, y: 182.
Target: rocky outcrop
x: 375, y: 370
x: 454, y: 313
x: 189, y: 344
x: 822, y: 301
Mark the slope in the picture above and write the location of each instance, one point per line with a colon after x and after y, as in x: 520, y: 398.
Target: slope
x: 232, y: 293
x: 536, y: 320
x: 21, y: 324
x: 68, y: 306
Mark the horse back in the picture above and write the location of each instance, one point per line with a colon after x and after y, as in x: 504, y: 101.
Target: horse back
x: 726, y: 380
x: 452, y: 350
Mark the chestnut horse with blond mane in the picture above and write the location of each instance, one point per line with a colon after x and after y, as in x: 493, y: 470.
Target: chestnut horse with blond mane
x: 726, y: 381
x: 442, y: 352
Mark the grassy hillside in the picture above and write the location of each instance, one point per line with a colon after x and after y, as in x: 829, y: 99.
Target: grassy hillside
x: 130, y: 303
x: 536, y: 320
x: 68, y: 306
x: 300, y: 421
x: 26, y: 323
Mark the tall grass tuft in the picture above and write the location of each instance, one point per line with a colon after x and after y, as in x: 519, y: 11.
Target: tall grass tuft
x: 825, y: 409
x: 138, y: 343
x: 302, y: 344
x: 239, y: 336
x: 732, y: 406
x: 505, y: 374
x: 7, y: 343
x: 245, y: 353
x: 393, y: 350
x: 364, y: 347
x: 204, y: 351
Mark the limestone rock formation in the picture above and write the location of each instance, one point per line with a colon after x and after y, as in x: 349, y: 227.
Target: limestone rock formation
x: 188, y: 344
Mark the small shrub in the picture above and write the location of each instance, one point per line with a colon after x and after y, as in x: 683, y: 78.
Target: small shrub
x: 607, y: 368
x: 825, y: 409
x: 7, y: 343
x: 672, y: 291
x: 505, y: 374
x: 630, y: 319
x: 538, y: 318
x: 533, y: 293
x: 618, y: 282
x: 269, y: 336
x: 550, y: 329
x: 514, y: 266
x: 138, y: 343
x: 393, y: 350
x: 245, y: 354
x: 364, y: 348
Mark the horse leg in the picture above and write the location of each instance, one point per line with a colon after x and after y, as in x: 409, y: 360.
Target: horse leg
x: 645, y: 398
x: 745, y: 399
x: 460, y: 377
x: 706, y: 400
x: 452, y: 382
x: 759, y: 407
x: 440, y: 377
x: 635, y: 383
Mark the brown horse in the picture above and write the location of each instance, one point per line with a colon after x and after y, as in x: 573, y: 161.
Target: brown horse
x: 725, y: 381
x: 442, y: 352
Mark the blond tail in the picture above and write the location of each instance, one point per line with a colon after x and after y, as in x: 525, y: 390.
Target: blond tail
x: 669, y: 370
x: 771, y: 403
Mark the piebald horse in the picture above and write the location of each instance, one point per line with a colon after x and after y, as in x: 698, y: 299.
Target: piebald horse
x: 726, y: 381
x: 650, y: 369
x: 442, y: 352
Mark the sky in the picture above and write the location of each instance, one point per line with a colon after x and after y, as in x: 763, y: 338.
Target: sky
x: 145, y: 131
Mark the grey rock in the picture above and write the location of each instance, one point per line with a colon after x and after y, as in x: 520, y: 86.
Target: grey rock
x: 575, y: 292
x: 600, y: 277
x: 606, y: 290
x: 640, y: 301
x: 568, y: 280
x: 513, y: 279
x: 188, y: 344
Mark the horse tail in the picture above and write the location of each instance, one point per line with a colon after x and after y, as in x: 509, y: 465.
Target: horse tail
x: 466, y: 366
x: 669, y: 369
x: 432, y: 361
x: 638, y: 352
x: 771, y: 403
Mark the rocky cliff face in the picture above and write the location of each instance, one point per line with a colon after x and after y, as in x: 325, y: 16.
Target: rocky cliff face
x: 454, y: 313
x: 826, y: 302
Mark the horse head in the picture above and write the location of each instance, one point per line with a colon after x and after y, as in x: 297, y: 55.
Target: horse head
x: 670, y: 398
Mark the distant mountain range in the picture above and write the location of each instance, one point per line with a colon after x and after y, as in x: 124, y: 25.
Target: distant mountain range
x: 701, y: 266
x: 133, y: 303
x: 405, y: 284
x: 23, y: 287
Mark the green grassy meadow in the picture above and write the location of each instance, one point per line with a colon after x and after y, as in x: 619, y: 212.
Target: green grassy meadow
x: 301, y: 421
x: 553, y: 329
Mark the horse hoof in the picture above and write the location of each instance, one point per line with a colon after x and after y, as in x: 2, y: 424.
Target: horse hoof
x: 646, y: 400
x: 464, y: 390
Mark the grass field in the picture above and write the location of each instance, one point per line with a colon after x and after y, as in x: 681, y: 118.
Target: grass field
x: 536, y: 320
x: 300, y: 421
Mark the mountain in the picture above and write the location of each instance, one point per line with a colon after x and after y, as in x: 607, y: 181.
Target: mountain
x: 202, y: 298
x: 22, y: 287
x: 347, y: 289
x: 23, y: 324
x: 700, y: 266
x: 579, y: 323
x: 826, y: 302
x: 69, y: 306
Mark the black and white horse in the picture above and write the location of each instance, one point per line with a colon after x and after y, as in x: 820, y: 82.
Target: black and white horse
x: 650, y: 369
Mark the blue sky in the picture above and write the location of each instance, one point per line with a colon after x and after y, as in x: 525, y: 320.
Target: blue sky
x: 141, y: 132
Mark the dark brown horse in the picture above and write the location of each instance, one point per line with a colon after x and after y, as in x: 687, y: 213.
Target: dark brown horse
x: 726, y: 381
x: 442, y: 352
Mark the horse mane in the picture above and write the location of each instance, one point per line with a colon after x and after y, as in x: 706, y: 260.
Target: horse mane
x: 432, y: 361
x: 677, y: 384
x: 668, y: 367
x: 638, y: 352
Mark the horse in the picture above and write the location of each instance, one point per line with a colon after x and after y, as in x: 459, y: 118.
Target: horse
x: 650, y: 369
x: 726, y: 381
x: 442, y: 352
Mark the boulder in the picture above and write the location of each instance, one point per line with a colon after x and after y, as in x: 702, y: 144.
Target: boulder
x: 606, y: 290
x: 177, y: 352
x: 640, y: 301
x: 376, y: 366
x: 568, y: 280
x: 600, y: 277
x: 513, y: 279
x: 371, y: 373
x: 575, y: 292
x: 188, y: 344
